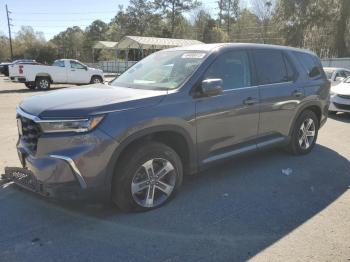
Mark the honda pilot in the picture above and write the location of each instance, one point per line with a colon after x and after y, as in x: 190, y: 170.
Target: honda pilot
x: 175, y: 112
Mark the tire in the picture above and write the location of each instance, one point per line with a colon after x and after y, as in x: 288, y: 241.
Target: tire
x: 43, y: 83
x: 30, y: 85
x: 301, y: 143
x: 96, y: 80
x: 132, y: 184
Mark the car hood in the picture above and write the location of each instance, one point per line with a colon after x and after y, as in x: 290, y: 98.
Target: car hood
x: 89, y: 100
x: 341, y: 89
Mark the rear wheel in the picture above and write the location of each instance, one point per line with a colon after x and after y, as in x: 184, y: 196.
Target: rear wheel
x: 43, y: 83
x: 147, y: 178
x: 96, y: 80
x: 30, y: 85
x: 304, y: 133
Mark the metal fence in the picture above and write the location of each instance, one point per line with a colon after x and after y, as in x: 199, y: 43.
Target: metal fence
x: 336, y: 62
x: 117, y: 67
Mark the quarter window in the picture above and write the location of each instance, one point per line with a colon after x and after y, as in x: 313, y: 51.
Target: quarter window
x: 272, y: 67
x: 233, y: 68
x: 310, y: 63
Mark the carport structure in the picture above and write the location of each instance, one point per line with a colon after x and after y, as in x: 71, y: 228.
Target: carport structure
x: 142, y: 45
x: 104, y: 45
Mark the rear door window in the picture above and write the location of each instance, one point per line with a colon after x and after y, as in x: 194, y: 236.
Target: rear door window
x: 272, y: 67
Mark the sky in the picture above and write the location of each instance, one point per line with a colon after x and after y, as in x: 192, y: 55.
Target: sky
x: 53, y: 16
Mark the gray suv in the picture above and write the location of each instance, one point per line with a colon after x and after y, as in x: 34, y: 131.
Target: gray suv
x: 175, y: 112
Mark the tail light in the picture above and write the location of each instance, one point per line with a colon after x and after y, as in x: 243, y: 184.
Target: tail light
x: 20, y: 69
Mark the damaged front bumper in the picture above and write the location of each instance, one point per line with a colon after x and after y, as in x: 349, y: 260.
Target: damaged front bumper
x: 26, y: 179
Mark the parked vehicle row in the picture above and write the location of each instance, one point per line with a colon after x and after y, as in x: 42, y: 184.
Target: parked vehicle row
x: 63, y: 71
x: 336, y: 75
x: 340, y: 97
x: 175, y: 112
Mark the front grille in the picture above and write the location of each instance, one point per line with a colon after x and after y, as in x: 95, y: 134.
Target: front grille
x: 342, y: 106
x: 344, y: 96
x: 30, y: 133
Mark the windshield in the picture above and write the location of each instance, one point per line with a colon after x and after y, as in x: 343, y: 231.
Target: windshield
x: 329, y: 73
x: 161, y: 70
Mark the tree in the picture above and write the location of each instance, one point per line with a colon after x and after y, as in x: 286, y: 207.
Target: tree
x: 341, y: 28
x: 93, y: 33
x: 4, y: 51
x: 229, y: 12
x: 206, y: 28
x: 140, y: 16
x: 246, y: 27
x: 174, y: 9
x: 302, y: 24
x: 69, y: 43
x: 263, y: 9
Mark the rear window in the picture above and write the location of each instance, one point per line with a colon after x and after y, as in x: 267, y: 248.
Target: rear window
x: 310, y: 63
x: 272, y: 67
x: 59, y: 63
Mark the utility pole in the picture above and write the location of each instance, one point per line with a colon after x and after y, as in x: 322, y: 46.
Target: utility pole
x: 9, y: 26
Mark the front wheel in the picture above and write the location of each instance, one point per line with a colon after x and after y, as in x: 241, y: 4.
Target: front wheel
x: 304, y: 134
x: 96, y: 80
x: 147, y: 177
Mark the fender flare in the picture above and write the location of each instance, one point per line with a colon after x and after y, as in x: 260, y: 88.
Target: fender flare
x: 43, y: 75
x: 306, y: 105
x: 149, y: 131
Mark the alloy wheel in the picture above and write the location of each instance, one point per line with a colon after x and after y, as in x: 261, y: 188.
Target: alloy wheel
x: 44, y: 84
x: 96, y: 81
x: 307, y: 133
x: 153, y: 182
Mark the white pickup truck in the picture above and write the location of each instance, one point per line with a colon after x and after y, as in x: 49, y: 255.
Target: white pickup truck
x: 63, y: 71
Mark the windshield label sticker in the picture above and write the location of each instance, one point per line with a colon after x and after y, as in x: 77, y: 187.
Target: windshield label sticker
x: 193, y: 55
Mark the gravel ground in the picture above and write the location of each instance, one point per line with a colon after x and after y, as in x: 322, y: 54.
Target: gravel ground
x: 245, y: 209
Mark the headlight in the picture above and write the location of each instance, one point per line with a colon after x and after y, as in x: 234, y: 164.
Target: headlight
x: 74, y: 125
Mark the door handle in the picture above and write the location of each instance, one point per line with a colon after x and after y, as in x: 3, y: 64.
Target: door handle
x: 72, y: 70
x: 250, y: 101
x: 297, y: 93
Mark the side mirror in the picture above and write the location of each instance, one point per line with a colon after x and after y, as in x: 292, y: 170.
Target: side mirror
x: 212, y: 87
x: 85, y: 67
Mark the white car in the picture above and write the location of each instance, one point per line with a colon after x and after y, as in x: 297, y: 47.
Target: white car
x: 336, y: 75
x: 340, y: 97
x: 63, y: 71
